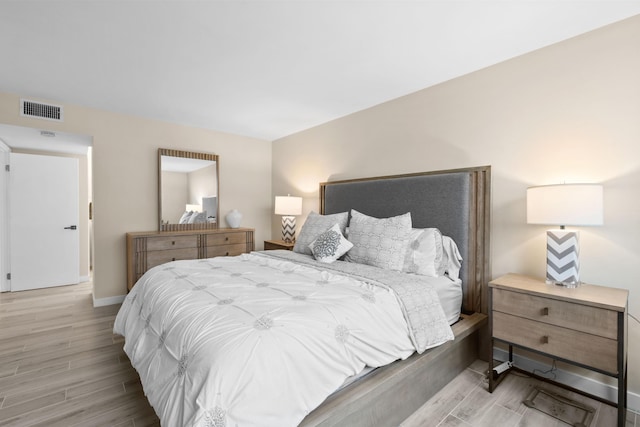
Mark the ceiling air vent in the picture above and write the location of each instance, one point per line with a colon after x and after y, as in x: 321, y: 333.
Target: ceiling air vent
x: 40, y: 110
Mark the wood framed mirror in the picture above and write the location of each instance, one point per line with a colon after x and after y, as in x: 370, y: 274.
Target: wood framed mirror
x: 188, y: 190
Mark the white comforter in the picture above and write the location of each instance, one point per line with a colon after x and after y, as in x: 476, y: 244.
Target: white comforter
x: 260, y: 341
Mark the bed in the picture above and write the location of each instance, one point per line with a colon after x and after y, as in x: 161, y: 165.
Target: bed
x: 173, y: 351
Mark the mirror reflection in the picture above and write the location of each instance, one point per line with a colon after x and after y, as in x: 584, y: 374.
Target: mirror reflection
x: 188, y: 190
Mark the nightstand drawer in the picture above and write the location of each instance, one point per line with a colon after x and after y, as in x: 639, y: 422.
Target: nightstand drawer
x: 592, y: 320
x: 278, y: 244
x: 586, y: 349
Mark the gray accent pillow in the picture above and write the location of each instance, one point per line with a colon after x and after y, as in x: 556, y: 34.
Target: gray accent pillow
x: 314, y: 226
x: 330, y: 245
x: 381, y: 242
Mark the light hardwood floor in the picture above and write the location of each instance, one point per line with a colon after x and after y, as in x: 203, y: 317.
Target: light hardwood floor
x: 61, y: 365
x: 465, y: 401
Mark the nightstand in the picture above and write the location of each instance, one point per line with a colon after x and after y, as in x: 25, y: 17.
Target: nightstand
x: 584, y: 326
x: 277, y: 244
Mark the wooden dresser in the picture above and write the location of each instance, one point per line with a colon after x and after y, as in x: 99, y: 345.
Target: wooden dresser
x: 148, y: 249
x: 585, y: 326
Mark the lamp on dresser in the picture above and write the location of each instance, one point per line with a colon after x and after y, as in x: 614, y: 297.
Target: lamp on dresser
x: 288, y: 207
x: 564, y: 204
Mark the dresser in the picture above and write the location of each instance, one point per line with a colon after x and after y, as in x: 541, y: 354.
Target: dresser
x: 585, y: 326
x: 149, y: 249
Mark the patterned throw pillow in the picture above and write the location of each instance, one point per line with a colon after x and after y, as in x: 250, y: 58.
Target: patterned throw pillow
x: 424, y: 253
x: 330, y: 245
x: 381, y: 242
x: 314, y: 226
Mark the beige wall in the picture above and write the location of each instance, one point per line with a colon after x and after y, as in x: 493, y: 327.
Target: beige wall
x: 175, y: 196
x: 125, y: 177
x: 566, y: 113
x: 201, y: 185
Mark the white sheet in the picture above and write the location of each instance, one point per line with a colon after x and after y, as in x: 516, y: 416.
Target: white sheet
x: 450, y: 295
x: 207, y: 338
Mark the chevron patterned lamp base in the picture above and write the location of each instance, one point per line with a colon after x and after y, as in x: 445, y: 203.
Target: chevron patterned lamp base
x: 289, y: 229
x: 563, y: 264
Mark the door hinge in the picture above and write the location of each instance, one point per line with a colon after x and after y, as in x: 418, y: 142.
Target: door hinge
x: 8, y: 276
x: 7, y: 168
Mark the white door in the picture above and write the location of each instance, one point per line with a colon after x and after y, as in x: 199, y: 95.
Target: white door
x: 43, y: 219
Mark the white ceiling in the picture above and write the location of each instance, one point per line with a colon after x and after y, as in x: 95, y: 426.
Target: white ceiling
x: 267, y: 68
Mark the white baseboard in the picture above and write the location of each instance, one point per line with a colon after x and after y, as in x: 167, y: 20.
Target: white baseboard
x: 588, y: 385
x: 83, y: 279
x: 99, y: 302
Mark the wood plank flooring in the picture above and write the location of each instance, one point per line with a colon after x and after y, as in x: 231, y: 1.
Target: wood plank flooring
x: 61, y: 365
x: 466, y: 402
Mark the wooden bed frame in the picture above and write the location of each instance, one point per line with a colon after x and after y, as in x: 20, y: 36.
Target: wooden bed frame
x: 458, y: 203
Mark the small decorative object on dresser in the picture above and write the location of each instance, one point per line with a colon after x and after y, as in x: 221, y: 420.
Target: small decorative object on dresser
x: 584, y: 326
x: 277, y: 244
x: 148, y: 249
x: 233, y: 218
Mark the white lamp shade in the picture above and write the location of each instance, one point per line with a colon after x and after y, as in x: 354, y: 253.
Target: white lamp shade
x: 288, y: 205
x: 565, y: 204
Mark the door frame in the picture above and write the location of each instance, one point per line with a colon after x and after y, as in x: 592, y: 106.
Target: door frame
x: 5, y: 244
x: 28, y: 139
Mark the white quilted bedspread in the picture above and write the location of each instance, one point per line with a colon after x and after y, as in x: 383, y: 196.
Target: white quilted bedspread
x: 261, y: 341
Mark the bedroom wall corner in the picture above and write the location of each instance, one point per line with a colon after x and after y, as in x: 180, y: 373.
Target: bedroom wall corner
x: 565, y: 113
x: 124, y: 171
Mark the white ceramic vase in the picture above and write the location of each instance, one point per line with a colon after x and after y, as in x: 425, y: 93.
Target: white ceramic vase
x: 233, y: 218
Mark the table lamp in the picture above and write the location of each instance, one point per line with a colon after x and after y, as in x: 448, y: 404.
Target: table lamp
x: 288, y: 207
x: 564, y: 204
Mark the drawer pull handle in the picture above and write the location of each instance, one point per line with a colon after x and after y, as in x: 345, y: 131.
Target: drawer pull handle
x: 545, y: 311
x: 544, y: 340
x: 173, y: 242
x: 226, y: 239
x: 173, y: 259
x: 227, y: 254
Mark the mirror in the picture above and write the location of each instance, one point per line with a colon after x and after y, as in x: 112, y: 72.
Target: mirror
x: 188, y: 190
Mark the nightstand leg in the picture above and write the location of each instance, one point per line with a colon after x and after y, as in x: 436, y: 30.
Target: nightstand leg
x: 492, y: 384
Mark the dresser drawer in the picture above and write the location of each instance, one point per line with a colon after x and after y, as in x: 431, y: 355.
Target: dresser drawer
x: 171, y: 242
x: 225, y: 250
x: 226, y: 239
x: 589, y: 350
x: 160, y: 257
x: 592, y: 320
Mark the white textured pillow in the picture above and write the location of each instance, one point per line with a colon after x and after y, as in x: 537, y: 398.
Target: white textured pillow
x: 381, y: 242
x: 197, y: 218
x: 330, y: 245
x: 314, y: 226
x: 185, y: 217
x: 451, y: 260
x: 424, y: 254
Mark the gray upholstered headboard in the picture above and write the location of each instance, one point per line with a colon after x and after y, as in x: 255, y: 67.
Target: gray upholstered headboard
x: 455, y: 201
